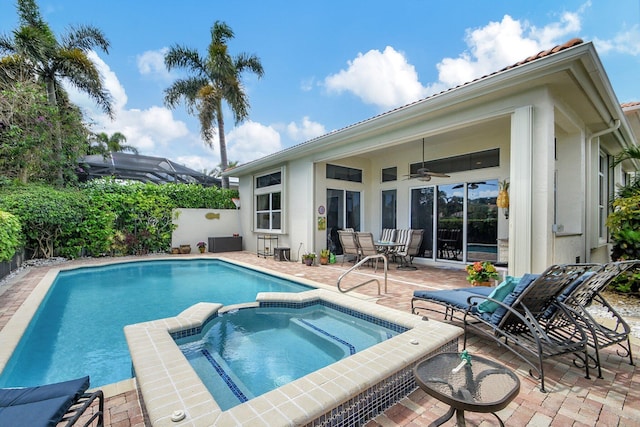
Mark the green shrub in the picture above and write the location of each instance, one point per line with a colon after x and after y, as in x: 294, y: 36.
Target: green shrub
x: 10, y: 235
x: 624, y: 228
x: 104, y: 217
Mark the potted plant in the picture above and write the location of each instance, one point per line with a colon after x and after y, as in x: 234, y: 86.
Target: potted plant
x: 481, y: 273
x: 202, y: 246
x: 324, y: 256
x: 308, y: 258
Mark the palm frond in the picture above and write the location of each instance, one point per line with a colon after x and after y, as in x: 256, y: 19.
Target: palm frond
x: 85, y: 38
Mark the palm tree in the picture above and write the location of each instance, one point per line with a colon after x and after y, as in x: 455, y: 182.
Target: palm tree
x: 216, y: 77
x: 111, y: 144
x: 52, y: 60
x: 633, y: 187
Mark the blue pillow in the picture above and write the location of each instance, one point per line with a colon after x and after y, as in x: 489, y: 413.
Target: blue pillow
x: 499, y: 293
x: 525, y: 281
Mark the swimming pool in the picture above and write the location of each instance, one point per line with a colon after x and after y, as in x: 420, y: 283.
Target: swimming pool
x: 78, y: 328
x: 248, y: 352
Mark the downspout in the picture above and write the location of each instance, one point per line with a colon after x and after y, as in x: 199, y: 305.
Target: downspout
x: 612, y: 128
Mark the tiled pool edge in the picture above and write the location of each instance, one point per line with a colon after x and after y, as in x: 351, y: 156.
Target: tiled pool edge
x: 167, y: 382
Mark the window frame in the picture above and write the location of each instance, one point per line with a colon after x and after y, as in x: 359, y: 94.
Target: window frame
x: 270, y: 191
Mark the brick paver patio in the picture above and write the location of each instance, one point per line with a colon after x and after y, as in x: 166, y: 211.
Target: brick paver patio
x: 572, y: 400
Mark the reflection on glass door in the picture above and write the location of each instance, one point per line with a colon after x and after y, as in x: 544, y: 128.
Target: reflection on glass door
x: 422, y: 218
x: 450, y: 214
x: 343, y: 211
x: 482, y: 221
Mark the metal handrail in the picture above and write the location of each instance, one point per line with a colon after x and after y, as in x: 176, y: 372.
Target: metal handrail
x: 362, y: 261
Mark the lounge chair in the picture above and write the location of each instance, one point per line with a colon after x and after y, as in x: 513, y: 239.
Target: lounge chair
x: 604, y: 332
x: 50, y: 404
x: 517, y: 322
x: 516, y: 312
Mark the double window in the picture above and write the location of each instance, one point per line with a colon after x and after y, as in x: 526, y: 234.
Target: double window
x: 268, y: 202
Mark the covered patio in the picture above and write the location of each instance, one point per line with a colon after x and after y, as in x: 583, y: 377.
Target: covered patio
x: 571, y: 400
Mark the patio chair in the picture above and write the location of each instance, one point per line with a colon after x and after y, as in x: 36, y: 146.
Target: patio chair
x: 367, y: 246
x: 50, y: 404
x: 410, y: 250
x: 388, y: 235
x: 350, y: 247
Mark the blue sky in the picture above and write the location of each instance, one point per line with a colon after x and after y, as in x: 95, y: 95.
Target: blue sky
x: 327, y: 64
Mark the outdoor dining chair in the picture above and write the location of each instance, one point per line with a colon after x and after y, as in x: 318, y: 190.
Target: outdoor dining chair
x: 350, y: 247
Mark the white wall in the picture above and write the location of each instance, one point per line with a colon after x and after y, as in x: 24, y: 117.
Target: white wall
x: 193, y: 225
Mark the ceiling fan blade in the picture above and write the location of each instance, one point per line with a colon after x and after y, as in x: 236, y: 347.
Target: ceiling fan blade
x: 438, y: 174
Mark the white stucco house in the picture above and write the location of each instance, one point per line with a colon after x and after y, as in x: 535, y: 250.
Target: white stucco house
x: 549, y: 125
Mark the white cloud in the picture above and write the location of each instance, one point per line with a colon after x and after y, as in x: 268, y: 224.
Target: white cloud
x: 387, y: 80
x: 148, y: 130
x: 305, y: 131
x: 503, y: 43
x: 383, y: 78
x: 250, y: 141
x: 625, y: 42
x: 151, y: 63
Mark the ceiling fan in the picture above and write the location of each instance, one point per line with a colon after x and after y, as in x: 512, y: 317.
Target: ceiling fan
x: 424, y: 174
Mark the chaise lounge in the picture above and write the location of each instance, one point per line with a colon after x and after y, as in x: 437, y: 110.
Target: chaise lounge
x: 515, y: 314
x: 51, y: 404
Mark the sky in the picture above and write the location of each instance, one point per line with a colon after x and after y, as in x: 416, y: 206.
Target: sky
x: 327, y: 64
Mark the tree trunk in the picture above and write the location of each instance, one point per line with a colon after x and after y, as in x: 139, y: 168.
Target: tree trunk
x: 224, y: 162
x: 53, y: 101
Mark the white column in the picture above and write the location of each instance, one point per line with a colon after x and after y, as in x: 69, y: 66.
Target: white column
x: 520, y: 192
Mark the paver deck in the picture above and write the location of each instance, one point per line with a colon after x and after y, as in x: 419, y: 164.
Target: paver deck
x: 572, y: 400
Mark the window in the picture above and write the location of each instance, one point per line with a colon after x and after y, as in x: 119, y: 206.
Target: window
x: 389, y: 209
x: 344, y: 173
x: 603, y: 195
x: 268, y: 202
x: 389, y: 174
x: 465, y: 162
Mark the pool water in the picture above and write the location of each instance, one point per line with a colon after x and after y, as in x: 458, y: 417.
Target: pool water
x: 248, y: 352
x: 78, y: 328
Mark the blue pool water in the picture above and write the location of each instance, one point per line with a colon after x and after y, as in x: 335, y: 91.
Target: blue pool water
x: 249, y: 352
x: 78, y: 329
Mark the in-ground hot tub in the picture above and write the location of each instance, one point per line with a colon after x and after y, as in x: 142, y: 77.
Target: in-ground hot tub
x: 346, y: 392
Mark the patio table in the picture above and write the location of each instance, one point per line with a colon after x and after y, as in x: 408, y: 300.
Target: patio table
x: 479, y: 386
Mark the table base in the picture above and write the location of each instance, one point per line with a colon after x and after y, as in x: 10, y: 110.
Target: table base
x: 459, y: 418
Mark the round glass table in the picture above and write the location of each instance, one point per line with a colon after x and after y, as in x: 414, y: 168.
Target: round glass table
x: 479, y: 386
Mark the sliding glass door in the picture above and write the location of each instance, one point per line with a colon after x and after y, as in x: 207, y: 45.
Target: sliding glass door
x: 460, y: 223
x: 343, y: 211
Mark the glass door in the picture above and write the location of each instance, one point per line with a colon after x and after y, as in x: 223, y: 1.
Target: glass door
x: 450, y: 223
x: 422, y: 218
x: 482, y: 221
x: 343, y: 211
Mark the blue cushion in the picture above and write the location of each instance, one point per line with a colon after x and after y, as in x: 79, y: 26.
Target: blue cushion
x: 524, y: 282
x: 39, y: 406
x: 485, y: 291
x: 498, y: 293
x: 455, y: 298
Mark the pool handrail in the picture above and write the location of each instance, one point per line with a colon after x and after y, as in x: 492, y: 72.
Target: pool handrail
x: 358, y: 264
